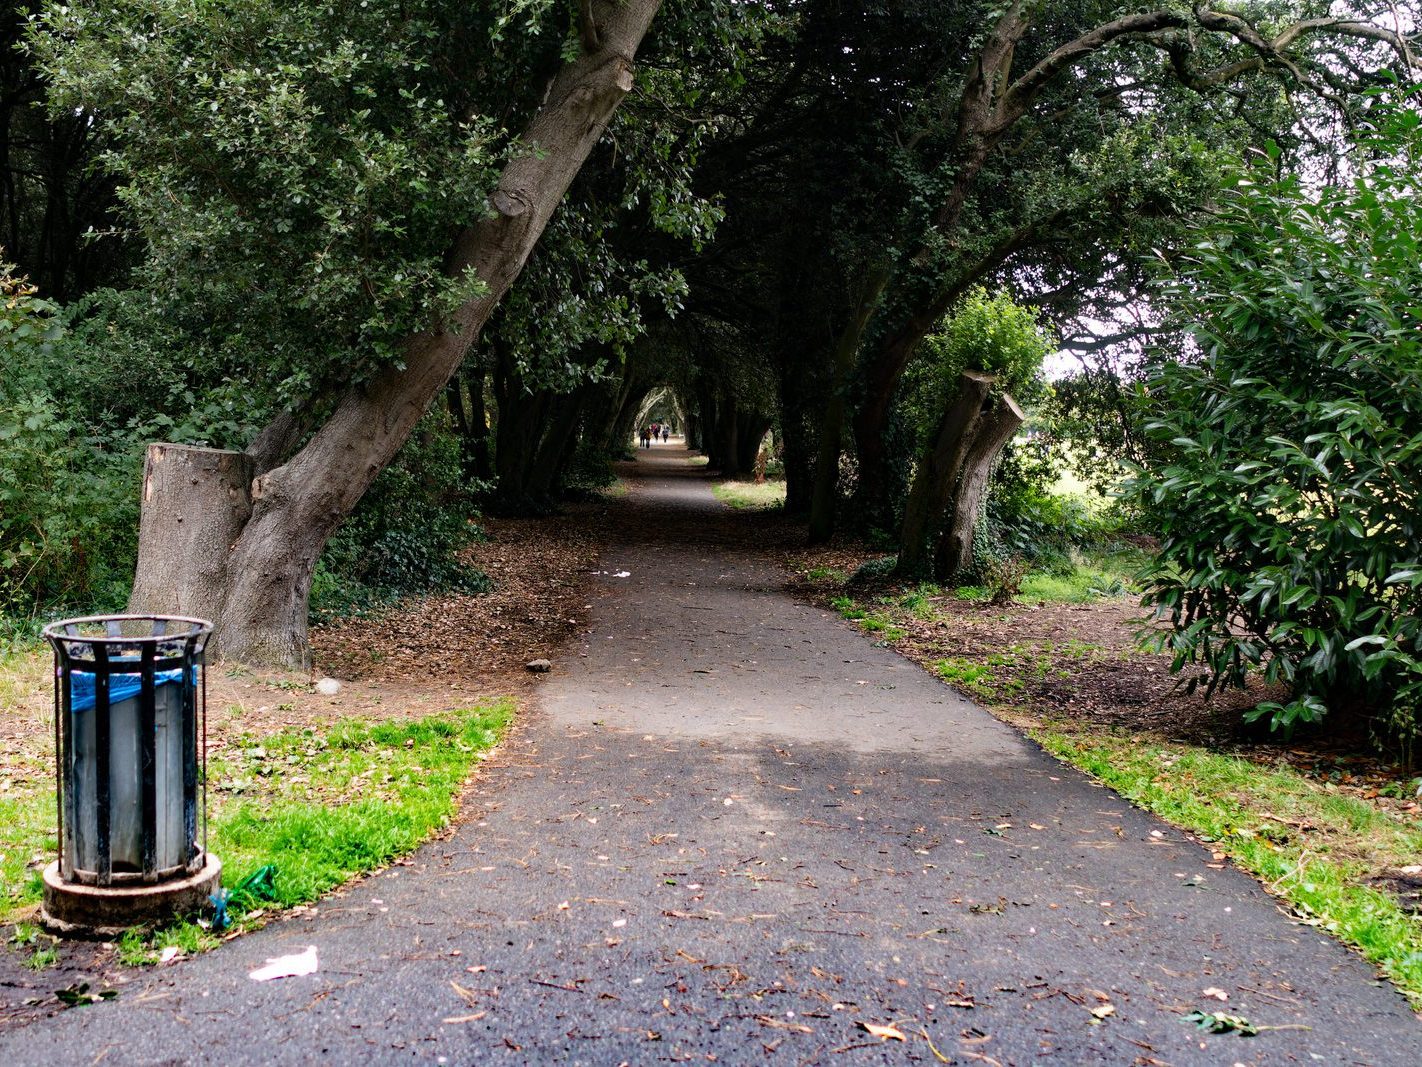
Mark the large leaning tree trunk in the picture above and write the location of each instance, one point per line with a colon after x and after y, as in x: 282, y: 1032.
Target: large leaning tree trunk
x: 938, y: 471
x: 994, y: 429
x: 239, y: 546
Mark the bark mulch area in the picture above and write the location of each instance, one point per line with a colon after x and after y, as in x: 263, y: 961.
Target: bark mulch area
x: 538, y: 567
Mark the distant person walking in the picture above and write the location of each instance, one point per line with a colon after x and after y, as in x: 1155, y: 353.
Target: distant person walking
x: 666, y: 434
x: 646, y: 437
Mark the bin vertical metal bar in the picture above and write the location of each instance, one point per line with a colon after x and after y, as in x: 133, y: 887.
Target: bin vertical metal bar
x: 61, y: 753
x: 147, y: 761
x: 101, y: 762
x: 200, y: 665
x: 190, y: 759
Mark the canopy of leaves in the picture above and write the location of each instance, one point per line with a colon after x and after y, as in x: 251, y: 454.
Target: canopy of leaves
x: 985, y: 332
x: 296, y: 171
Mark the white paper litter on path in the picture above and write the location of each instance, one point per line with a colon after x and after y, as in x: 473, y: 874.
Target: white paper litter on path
x: 293, y: 966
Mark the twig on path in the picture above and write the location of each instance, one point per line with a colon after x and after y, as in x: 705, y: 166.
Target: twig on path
x: 556, y: 985
x: 932, y: 1047
x: 1292, y: 1002
x: 456, y: 1019
x: 781, y: 1024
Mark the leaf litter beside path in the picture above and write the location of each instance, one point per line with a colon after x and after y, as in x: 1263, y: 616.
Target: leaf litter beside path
x: 539, y: 569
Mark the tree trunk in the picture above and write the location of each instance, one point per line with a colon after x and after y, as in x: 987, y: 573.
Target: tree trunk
x: 709, y: 437
x: 624, y: 429
x: 522, y: 418
x: 261, y: 606
x: 559, y: 432
x: 938, y: 472
x: 799, y: 475
x: 195, y: 503
x: 795, y: 438
x: 994, y: 429
x: 750, y: 432
x: 727, y: 438
x: 824, y: 497
x: 472, y: 422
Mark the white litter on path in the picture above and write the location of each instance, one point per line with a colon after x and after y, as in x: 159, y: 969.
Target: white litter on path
x: 293, y: 966
x: 328, y: 687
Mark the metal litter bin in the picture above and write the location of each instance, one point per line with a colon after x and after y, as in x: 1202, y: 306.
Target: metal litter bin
x: 130, y: 708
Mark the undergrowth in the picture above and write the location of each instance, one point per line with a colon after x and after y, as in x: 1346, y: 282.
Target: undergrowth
x: 751, y: 496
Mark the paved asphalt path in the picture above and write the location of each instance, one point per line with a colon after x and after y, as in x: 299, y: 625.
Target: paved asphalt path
x: 734, y: 831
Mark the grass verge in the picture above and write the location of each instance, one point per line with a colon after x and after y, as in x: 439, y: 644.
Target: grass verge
x: 320, y: 808
x: 1313, y: 848
x: 751, y: 496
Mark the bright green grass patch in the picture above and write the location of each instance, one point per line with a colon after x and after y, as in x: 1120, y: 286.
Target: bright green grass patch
x: 27, y: 822
x: 1313, y: 848
x: 917, y: 601
x: 320, y: 808
x: 749, y: 496
x: 335, y: 806
x: 885, y: 628
x: 966, y: 674
x: 27, y: 842
x: 1082, y: 586
x: 1107, y: 572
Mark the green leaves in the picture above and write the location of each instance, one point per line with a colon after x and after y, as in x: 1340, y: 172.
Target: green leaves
x: 1290, y: 471
x: 295, y: 171
x: 1219, y: 1022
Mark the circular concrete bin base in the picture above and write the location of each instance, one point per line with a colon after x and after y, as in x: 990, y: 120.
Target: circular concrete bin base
x: 107, y: 911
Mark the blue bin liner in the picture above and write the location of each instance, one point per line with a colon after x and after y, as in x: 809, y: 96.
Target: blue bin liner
x: 121, y: 686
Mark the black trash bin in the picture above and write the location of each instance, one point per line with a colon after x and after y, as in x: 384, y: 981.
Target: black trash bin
x: 130, y: 711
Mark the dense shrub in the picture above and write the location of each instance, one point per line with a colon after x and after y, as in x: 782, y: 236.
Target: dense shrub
x: 1289, y: 492
x: 405, y: 536
x: 589, y: 470
x: 66, y: 536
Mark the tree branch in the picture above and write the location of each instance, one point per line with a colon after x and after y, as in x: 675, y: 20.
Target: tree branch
x: 1024, y: 90
x: 587, y: 26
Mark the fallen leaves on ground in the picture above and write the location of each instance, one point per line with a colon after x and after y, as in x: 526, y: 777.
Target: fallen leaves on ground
x: 888, y: 1033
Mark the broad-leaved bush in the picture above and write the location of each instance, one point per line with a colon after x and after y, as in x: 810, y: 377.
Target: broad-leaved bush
x: 1288, y: 493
